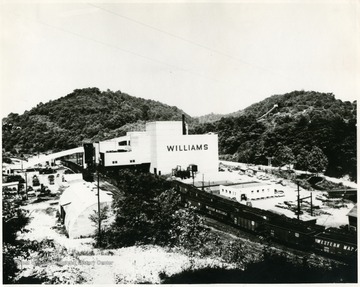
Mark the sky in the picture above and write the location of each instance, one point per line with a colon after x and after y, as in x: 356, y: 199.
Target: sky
x: 203, y: 57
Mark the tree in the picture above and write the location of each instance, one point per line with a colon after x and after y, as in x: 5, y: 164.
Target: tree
x: 94, y: 218
x: 149, y: 212
x: 302, y: 159
x: 6, y: 159
x: 317, y: 160
x: 98, y: 220
x: 284, y: 156
x: 14, y: 220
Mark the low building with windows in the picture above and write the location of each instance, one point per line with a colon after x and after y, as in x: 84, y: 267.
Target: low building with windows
x: 248, y: 190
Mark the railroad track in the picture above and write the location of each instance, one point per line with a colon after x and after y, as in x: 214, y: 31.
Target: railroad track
x: 259, y: 243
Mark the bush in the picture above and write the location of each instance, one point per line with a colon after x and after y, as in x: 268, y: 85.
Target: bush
x: 149, y: 214
x: 272, y: 269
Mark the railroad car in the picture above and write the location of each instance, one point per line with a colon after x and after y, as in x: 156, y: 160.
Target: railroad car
x: 336, y: 243
x: 301, y: 235
x: 291, y: 231
x: 249, y: 221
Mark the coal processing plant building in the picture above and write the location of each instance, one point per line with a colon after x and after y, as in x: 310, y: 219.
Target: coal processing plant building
x: 161, y: 148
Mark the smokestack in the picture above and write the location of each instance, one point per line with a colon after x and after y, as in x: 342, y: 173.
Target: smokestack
x: 183, y: 125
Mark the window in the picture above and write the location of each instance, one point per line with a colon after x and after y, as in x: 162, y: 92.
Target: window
x: 257, y: 191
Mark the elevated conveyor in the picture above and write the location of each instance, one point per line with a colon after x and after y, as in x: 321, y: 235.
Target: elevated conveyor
x: 49, y: 157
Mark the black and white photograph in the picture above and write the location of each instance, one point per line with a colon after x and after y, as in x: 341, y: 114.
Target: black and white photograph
x: 179, y: 142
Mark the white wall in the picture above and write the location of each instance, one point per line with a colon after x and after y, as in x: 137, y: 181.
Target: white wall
x: 252, y: 191
x: 125, y: 158
x: 82, y: 226
x: 165, y: 147
x: 184, y: 150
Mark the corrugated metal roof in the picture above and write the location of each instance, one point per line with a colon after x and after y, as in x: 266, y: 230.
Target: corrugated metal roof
x: 79, y: 200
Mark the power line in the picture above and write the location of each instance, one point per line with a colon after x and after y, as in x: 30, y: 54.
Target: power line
x: 131, y: 52
x: 189, y: 41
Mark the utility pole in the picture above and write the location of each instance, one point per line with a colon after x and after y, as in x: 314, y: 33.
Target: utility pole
x: 301, y: 199
x: 22, y: 170
x: 203, y: 182
x: 98, y: 193
x: 26, y: 189
x: 298, y: 200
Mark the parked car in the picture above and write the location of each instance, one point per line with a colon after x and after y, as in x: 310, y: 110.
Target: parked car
x: 31, y: 193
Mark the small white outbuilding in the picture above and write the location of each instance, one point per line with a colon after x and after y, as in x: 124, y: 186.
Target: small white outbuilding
x: 248, y: 190
x: 77, y: 203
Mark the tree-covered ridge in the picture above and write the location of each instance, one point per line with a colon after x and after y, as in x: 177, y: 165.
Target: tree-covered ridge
x: 304, y: 126
x: 303, y: 103
x: 84, y: 114
x: 314, y: 131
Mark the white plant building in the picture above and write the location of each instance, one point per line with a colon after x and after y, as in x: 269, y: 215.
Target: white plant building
x: 162, y: 147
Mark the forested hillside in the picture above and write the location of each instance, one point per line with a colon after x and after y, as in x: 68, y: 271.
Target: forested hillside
x: 311, y: 130
x: 85, y: 114
x: 314, y: 131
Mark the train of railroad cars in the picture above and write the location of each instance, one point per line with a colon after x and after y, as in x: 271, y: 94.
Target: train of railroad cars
x: 308, y: 236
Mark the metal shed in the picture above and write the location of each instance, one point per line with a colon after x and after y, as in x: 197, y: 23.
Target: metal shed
x: 77, y: 203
